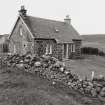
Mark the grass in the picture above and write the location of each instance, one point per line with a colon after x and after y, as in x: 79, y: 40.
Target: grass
x: 84, y: 67
x: 20, y: 88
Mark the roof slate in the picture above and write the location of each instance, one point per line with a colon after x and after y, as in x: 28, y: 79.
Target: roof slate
x: 50, y: 29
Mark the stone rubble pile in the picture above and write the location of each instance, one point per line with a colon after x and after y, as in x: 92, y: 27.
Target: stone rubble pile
x: 56, y: 71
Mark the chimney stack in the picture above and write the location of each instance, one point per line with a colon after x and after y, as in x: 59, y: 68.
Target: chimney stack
x: 67, y: 19
x: 23, y: 11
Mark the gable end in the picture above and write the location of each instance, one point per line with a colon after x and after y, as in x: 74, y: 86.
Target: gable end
x: 20, y: 18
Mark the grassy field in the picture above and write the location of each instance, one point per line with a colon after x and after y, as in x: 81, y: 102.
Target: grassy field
x: 84, y: 67
x: 99, y: 38
x: 20, y: 88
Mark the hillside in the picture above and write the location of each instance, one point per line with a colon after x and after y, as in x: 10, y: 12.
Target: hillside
x: 99, y: 38
x: 96, y: 41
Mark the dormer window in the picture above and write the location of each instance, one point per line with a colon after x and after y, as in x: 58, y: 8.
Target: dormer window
x: 56, y: 30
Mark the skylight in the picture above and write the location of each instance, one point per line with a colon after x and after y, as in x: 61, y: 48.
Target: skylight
x: 56, y: 30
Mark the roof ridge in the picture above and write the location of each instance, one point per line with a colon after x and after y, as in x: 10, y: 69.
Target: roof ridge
x: 46, y: 19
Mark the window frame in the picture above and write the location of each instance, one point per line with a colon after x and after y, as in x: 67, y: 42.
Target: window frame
x: 21, y: 31
x: 49, y: 49
x: 14, y: 48
x: 73, y: 48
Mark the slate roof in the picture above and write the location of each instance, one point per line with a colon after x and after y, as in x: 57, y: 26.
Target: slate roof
x: 50, y: 29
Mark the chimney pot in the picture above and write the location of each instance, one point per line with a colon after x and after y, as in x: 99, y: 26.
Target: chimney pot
x: 23, y: 11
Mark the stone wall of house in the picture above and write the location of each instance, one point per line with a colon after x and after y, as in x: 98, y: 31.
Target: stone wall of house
x: 41, y: 44
x: 77, y: 48
x: 21, y: 40
x: 60, y: 51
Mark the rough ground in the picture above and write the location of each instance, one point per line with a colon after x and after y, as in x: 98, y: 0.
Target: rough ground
x: 21, y: 88
x: 84, y: 67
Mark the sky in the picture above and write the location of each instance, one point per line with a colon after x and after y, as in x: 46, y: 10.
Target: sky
x: 87, y: 16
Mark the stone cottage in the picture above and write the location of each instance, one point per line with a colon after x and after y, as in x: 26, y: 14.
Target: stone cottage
x: 44, y: 36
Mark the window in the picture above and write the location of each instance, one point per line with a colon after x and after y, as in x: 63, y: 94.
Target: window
x: 66, y: 50
x: 48, y: 49
x: 50, y: 52
x: 24, y: 44
x: 14, y: 49
x: 21, y: 33
x: 72, y: 47
x: 5, y: 48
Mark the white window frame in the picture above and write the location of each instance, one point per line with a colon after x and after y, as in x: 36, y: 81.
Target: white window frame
x: 50, y: 52
x: 72, y: 47
x: 21, y: 32
x: 49, y: 49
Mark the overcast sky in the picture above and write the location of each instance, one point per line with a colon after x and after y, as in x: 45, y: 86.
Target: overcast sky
x: 88, y: 16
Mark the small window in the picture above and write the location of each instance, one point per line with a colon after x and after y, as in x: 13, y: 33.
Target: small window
x: 5, y: 48
x: 14, y: 49
x: 73, y: 48
x: 24, y: 45
x: 50, y: 52
x: 21, y: 32
x: 56, y: 30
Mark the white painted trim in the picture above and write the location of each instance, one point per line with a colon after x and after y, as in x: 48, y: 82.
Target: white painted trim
x: 26, y: 26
